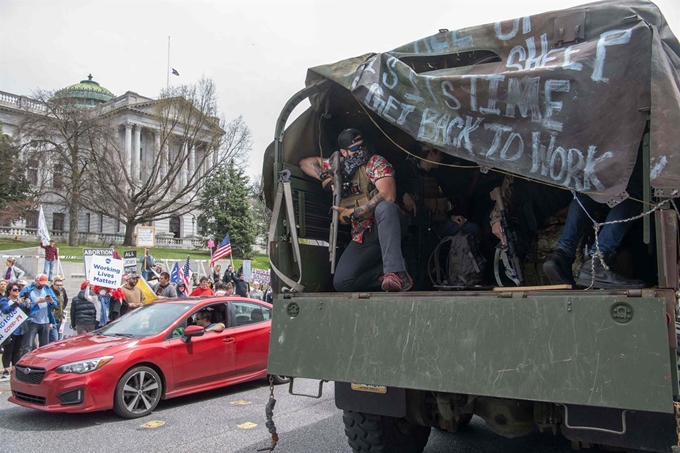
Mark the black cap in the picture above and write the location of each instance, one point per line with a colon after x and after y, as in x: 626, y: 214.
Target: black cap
x: 348, y: 137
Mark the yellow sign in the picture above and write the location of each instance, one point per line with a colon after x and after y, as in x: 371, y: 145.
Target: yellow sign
x: 149, y: 295
x: 247, y: 425
x: 369, y: 388
x: 240, y: 403
x: 153, y: 424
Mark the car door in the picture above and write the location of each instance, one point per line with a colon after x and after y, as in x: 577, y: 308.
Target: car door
x: 251, y: 332
x: 203, y: 359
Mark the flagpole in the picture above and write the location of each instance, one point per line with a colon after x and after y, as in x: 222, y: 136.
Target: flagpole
x: 167, y: 74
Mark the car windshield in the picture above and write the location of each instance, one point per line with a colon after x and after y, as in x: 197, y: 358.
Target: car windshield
x: 147, y: 320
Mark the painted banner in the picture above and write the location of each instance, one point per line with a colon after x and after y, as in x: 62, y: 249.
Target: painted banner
x: 106, y: 271
x: 10, y: 321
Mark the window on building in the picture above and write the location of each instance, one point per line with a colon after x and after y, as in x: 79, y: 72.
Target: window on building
x: 32, y: 175
x: 32, y: 219
x: 58, y: 177
x: 58, y: 221
x: 87, y: 222
x: 101, y: 223
x: 175, y: 226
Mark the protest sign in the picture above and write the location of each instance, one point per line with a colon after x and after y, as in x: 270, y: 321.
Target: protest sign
x: 10, y: 321
x: 89, y: 253
x: 130, y: 261
x: 246, y: 270
x: 146, y: 236
x: 106, y: 271
x: 261, y: 276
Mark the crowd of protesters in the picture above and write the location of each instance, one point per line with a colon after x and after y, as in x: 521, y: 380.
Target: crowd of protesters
x: 46, y: 303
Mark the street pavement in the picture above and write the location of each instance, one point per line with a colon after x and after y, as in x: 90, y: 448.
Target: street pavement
x: 227, y: 420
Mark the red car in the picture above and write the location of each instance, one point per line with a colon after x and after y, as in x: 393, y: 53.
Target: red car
x: 154, y: 352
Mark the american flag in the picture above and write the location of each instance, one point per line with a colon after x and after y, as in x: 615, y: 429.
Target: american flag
x: 223, y: 250
x: 185, y: 273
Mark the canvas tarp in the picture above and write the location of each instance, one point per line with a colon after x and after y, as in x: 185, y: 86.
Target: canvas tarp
x: 561, y: 97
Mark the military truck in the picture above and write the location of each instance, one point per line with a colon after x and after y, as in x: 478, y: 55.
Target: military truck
x: 572, y: 99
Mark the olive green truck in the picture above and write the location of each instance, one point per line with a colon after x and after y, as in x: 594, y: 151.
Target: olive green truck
x: 572, y: 99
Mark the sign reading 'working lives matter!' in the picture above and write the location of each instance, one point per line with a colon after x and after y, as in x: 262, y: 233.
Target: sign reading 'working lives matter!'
x: 106, y: 271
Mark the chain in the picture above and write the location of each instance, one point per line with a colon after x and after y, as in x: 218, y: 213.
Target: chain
x: 269, y: 412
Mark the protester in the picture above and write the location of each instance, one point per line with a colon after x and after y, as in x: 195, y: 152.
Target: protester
x: 203, y: 319
x: 133, y: 295
x: 373, y: 260
x: 13, y: 272
x: 148, y: 263
x: 41, y: 301
x: 241, y: 287
x: 229, y: 289
x: 220, y: 289
x: 182, y: 290
x: 229, y: 275
x: 216, y: 276
x: 118, y: 305
x: 51, y: 256
x: 202, y: 289
x: 256, y: 293
x: 84, y: 310
x: 58, y: 311
x: 104, y: 301
x: 3, y: 287
x: 163, y: 288
x: 11, y: 352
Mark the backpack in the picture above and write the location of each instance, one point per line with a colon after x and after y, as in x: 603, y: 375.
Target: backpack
x: 465, y: 264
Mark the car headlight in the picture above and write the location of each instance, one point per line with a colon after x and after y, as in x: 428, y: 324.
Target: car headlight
x: 83, y: 366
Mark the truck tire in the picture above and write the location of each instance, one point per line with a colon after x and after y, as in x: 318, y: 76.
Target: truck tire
x: 381, y: 434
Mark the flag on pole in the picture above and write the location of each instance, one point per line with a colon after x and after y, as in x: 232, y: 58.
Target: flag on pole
x: 223, y: 250
x: 174, y: 72
x: 174, y: 275
x: 42, y: 228
x: 185, y: 273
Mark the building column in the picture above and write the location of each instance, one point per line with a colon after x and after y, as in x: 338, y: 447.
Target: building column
x: 192, y: 159
x: 157, y: 148
x: 128, y: 147
x: 184, y: 170
x: 215, y: 156
x: 136, y: 165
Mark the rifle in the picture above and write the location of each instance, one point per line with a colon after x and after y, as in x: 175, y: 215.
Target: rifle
x: 337, y: 192
x: 506, y: 252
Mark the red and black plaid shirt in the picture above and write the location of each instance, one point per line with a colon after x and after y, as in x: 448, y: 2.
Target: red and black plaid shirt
x: 50, y: 252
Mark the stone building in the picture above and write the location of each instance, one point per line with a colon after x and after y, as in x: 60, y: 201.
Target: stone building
x: 138, y: 130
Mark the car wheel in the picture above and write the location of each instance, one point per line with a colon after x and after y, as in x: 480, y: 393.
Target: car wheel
x: 278, y: 380
x: 374, y: 433
x: 138, y: 392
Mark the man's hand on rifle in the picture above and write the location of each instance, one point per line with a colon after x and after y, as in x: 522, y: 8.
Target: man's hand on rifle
x: 343, y: 214
x: 497, y: 230
x: 409, y: 204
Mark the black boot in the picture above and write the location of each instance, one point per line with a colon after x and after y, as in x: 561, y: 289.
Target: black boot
x: 558, y: 268
x: 605, y: 278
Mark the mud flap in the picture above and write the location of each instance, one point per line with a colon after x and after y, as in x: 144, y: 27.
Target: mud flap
x: 392, y: 403
x: 619, y: 428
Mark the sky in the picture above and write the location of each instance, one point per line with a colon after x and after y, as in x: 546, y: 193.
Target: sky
x: 257, y: 52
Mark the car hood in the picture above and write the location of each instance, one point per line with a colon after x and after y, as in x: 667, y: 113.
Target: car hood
x: 77, y: 348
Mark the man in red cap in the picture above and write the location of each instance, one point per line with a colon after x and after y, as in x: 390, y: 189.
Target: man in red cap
x: 41, y: 300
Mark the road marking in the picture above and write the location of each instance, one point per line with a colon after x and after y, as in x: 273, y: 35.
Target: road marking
x: 153, y: 424
x: 240, y: 403
x: 247, y: 425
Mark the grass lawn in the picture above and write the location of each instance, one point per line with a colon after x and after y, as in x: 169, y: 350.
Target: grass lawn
x: 257, y: 262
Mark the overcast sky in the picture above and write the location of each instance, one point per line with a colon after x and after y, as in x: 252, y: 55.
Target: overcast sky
x: 257, y: 52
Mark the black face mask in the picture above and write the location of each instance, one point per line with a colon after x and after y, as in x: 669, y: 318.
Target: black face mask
x: 353, y: 162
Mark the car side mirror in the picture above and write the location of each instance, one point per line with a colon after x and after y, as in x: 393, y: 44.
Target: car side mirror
x: 192, y: 331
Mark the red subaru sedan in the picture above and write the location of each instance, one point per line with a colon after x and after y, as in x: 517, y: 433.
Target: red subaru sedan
x: 158, y: 351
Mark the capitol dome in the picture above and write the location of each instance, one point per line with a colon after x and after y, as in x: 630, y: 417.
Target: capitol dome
x: 87, y: 93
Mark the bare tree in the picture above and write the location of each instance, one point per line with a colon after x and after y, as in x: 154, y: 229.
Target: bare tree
x: 59, y: 140
x: 190, y: 140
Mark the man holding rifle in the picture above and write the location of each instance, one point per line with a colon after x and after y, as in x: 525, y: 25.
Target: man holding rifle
x: 373, y: 260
